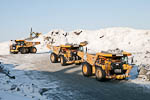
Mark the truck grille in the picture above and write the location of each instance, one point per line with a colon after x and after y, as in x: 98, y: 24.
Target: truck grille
x: 117, y: 68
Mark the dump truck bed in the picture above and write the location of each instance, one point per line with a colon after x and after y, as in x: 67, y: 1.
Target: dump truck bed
x: 29, y: 44
x: 91, y: 58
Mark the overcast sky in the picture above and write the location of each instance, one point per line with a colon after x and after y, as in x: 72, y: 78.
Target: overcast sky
x: 17, y: 16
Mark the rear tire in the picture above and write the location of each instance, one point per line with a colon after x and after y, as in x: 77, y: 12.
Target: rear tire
x: 23, y: 50
x: 63, y: 60
x: 100, y: 74
x: 53, y: 58
x: 86, y: 69
x: 27, y: 50
x: 33, y: 50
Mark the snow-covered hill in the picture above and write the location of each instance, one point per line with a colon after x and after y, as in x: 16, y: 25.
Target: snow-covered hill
x: 4, y: 48
x: 127, y: 39
x: 131, y: 40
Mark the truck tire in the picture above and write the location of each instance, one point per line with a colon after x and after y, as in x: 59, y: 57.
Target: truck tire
x: 23, y: 50
x: 100, y: 74
x: 63, y: 60
x: 33, y: 50
x: 53, y: 58
x: 27, y: 50
x: 86, y: 69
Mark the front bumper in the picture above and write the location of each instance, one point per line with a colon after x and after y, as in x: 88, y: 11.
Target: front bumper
x: 117, y: 76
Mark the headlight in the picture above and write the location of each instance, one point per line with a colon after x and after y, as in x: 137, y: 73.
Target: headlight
x: 117, y: 70
x: 117, y: 64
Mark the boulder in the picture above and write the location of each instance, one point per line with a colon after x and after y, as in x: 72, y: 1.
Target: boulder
x: 42, y: 90
x: 144, y: 72
x: 13, y: 87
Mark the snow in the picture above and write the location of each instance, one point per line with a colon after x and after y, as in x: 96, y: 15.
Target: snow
x: 24, y: 86
x: 4, y: 48
x: 124, y: 38
x: 21, y: 88
x: 9, y: 96
x: 42, y: 46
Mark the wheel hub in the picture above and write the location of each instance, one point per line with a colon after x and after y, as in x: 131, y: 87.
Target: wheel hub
x: 84, y: 69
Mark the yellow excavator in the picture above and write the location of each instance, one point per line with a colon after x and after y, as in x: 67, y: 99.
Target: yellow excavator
x: 33, y: 35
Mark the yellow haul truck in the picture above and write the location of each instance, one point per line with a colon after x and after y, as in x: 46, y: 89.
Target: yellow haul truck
x: 66, y: 54
x: 105, y: 65
x: 23, y: 47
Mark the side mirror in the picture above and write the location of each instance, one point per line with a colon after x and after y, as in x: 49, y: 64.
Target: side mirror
x: 132, y: 60
x: 86, y: 50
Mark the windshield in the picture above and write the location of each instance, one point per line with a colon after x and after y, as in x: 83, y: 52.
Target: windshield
x: 81, y: 49
x: 125, y: 60
x: 20, y: 43
x: 120, y: 59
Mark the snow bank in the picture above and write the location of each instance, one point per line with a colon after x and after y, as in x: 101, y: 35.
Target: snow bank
x: 10, y: 96
x: 23, y: 87
x: 42, y: 46
x: 4, y: 48
x: 127, y: 39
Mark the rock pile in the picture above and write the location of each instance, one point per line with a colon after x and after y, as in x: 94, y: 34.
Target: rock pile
x: 5, y: 71
x: 144, y: 72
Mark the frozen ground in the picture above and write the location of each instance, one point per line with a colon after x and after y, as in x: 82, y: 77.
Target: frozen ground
x: 38, y: 79
x: 25, y: 86
x: 35, y: 79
